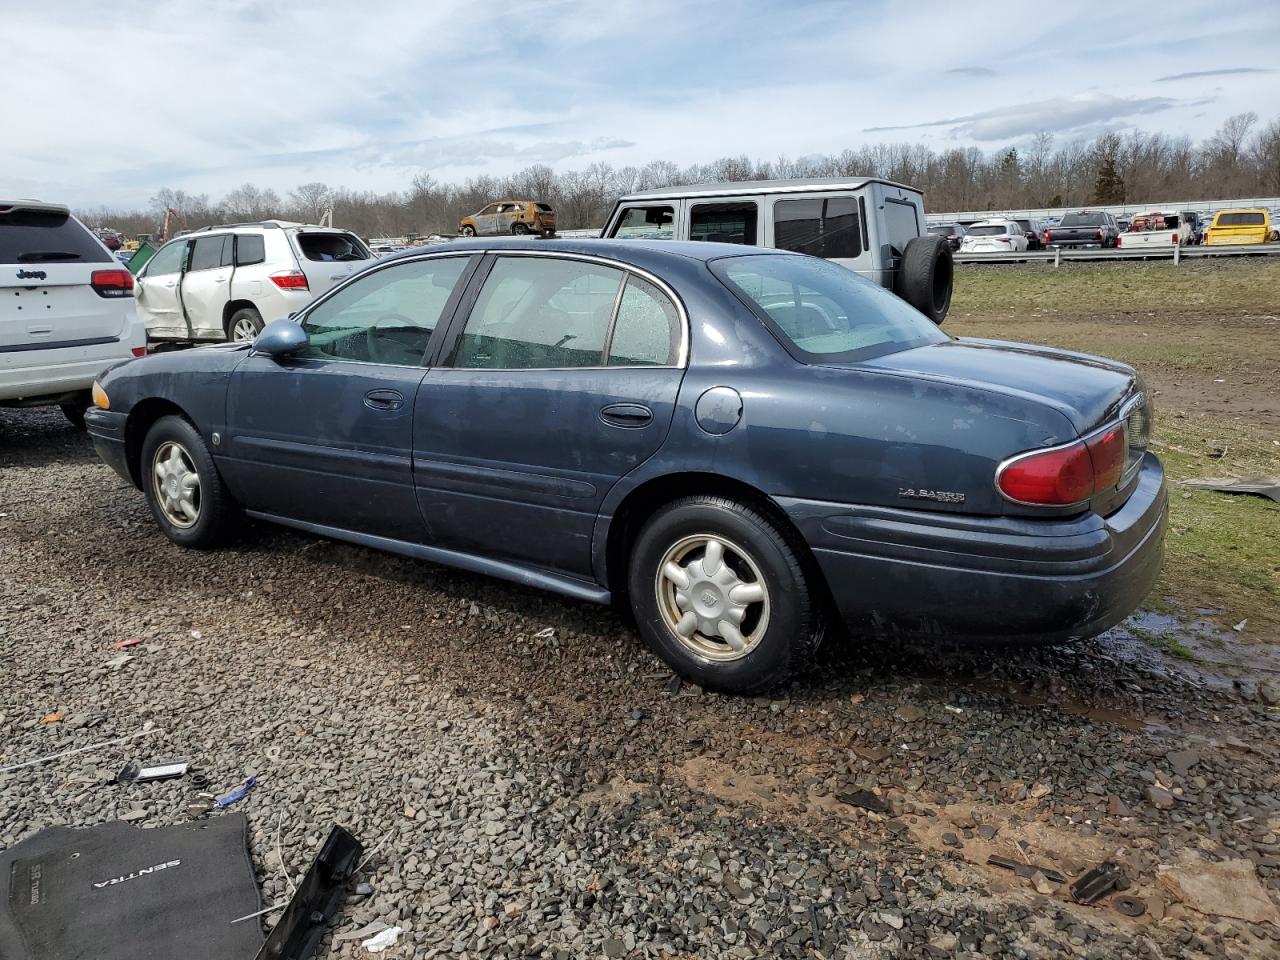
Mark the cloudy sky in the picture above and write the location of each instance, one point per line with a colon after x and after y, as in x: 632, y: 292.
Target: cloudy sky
x: 106, y: 103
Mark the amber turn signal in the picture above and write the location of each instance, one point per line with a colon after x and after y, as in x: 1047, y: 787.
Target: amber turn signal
x: 100, y: 397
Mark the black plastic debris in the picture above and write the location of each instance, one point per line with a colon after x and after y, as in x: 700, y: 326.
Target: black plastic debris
x: 1098, y: 882
x: 298, y: 933
x: 866, y: 800
x: 1026, y: 869
x: 1128, y: 905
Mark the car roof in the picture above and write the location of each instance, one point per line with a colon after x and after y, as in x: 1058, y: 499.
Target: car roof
x: 747, y: 187
x: 641, y: 253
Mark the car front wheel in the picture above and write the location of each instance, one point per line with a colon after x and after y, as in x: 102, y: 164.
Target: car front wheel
x: 721, y: 594
x: 184, y: 490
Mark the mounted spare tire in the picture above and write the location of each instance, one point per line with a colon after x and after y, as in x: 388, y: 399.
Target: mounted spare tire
x: 925, y: 275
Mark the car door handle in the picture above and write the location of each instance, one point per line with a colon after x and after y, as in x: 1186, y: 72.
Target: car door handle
x: 627, y: 415
x: 384, y: 400
x: 172, y: 283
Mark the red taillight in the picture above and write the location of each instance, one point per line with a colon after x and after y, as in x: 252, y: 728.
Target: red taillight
x: 1108, y: 451
x: 1055, y: 477
x: 1174, y: 238
x: 1066, y: 475
x: 1119, y: 242
x: 290, y: 280
x: 112, y: 283
x: 1048, y: 235
x: 139, y: 351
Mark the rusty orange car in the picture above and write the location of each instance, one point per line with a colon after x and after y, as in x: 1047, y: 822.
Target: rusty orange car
x: 510, y: 216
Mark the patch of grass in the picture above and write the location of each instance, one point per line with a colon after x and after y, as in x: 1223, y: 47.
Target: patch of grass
x: 1163, y: 641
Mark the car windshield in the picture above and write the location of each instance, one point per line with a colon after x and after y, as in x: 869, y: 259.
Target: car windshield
x: 823, y: 312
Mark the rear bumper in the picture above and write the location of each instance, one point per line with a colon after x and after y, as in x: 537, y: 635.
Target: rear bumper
x: 107, y: 431
x: 56, y: 372
x: 907, y: 572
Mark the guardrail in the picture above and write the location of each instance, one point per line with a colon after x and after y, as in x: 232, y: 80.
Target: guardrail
x: 1177, y: 254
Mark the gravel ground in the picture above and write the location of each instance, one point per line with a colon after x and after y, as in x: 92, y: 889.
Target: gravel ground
x: 539, y: 787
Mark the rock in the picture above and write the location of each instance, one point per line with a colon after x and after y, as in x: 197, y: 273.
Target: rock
x: 890, y: 919
x: 1269, y: 692
x: 1117, y: 807
x: 1039, y: 790
x: 1183, y: 760
x: 1227, y: 889
x: 1041, y: 883
x: 614, y: 948
x: 1160, y: 798
x: 951, y: 840
x: 909, y: 713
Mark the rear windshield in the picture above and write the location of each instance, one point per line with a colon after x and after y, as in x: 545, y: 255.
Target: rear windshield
x: 940, y: 231
x: 1024, y: 224
x: 1240, y: 219
x: 332, y: 246
x: 1083, y: 220
x: 823, y: 312
x: 993, y: 230
x: 45, y: 236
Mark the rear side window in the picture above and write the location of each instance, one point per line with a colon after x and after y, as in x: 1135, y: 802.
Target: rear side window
x: 900, y: 219
x: 250, y: 249
x: 1239, y: 220
x: 46, y: 236
x: 646, y: 223
x: 331, y: 247
x: 724, y: 223
x: 823, y: 227
x: 544, y: 207
x: 537, y: 313
x: 647, y: 329
x: 823, y: 312
x: 210, y: 252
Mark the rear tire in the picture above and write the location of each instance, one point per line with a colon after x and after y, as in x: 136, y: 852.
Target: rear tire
x: 925, y: 276
x: 244, y: 325
x: 197, y: 513
x: 468, y: 230
x: 519, y: 229
x: 741, y: 621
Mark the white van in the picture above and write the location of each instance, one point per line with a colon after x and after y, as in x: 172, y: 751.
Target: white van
x: 66, y: 309
x: 872, y: 226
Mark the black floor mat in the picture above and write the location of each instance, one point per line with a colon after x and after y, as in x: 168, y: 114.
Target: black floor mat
x: 116, y: 892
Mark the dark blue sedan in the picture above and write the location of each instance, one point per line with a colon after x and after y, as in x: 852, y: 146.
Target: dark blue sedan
x: 745, y: 445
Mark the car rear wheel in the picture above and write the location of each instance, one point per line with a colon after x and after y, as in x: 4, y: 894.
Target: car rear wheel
x: 184, y: 490
x: 721, y: 594
x: 468, y: 230
x: 244, y: 325
x: 519, y: 229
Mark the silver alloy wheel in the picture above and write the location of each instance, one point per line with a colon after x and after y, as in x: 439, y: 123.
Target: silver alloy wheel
x: 712, y: 597
x: 176, y: 484
x: 244, y: 329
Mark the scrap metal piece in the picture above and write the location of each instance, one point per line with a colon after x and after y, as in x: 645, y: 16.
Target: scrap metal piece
x: 1101, y: 880
x: 136, y: 773
x: 1128, y: 905
x: 866, y: 800
x: 1260, y: 486
x: 1026, y: 869
x: 320, y: 893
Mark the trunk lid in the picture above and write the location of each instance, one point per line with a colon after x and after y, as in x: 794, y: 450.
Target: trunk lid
x: 1087, y: 390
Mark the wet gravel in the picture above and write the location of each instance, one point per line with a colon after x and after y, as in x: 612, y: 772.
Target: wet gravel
x: 536, y: 785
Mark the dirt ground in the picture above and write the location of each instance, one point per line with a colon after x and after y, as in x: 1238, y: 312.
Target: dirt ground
x: 537, y: 785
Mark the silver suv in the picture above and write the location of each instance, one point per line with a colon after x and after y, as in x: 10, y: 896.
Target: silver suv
x: 66, y: 309
x: 224, y: 283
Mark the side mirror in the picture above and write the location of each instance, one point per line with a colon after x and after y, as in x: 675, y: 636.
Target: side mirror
x: 279, y: 338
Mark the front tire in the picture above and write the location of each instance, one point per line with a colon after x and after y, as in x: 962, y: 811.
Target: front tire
x: 184, y: 490
x: 75, y: 410
x: 721, y: 593
x: 244, y: 325
x: 468, y: 230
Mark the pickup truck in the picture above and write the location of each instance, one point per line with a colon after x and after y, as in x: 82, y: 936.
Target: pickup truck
x: 1156, y: 232
x: 1235, y: 227
x: 1088, y: 228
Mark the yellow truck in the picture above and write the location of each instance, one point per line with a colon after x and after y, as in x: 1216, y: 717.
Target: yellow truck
x: 1235, y: 227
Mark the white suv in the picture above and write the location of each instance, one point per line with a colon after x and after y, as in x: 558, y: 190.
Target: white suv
x: 224, y: 283
x: 66, y: 309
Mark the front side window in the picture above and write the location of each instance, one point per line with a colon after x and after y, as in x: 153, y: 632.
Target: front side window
x: 208, y: 252
x: 823, y: 312
x: 824, y: 227
x: 647, y: 329
x: 168, y: 259
x: 724, y: 222
x: 540, y: 313
x: 646, y: 223
x: 386, y: 316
